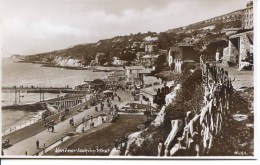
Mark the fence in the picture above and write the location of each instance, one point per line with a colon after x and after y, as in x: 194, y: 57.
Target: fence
x: 199, y: 131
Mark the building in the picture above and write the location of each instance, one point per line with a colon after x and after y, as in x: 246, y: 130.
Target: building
x: 151, y: 49
x: 148, y: 60
x: 230, y: 31
x: 132, y: 75
x: 146, y: 79
x: 118, y: 62
x: 155, y: 94
x: 247, y: 19
x: 182, y: 52
x: 139, y: 55
x: 240, y: 46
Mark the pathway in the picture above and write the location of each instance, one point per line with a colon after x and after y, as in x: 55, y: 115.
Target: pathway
x: 61, y: 129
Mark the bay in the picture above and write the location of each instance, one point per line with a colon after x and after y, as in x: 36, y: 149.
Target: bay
x: 27, y: 74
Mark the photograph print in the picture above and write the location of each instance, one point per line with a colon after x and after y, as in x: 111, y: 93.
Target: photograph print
x: 156, y: 79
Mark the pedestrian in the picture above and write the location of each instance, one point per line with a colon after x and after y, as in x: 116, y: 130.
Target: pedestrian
x: 82, y: 129
x: 116, y: 143
x: 26, y: 153
x: 217, y: 56
x: 37, y: 144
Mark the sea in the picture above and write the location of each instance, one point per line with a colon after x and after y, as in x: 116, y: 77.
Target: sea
x: 28, y: 74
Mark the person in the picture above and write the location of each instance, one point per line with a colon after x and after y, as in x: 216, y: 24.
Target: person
x: 37, y: 144
x: 52, y: 128
x: 217, y: 56
x: 116, y: 143
x: 26, y: 152
x: 82, y: 129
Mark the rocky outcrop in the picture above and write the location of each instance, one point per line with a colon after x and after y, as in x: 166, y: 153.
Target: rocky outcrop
x: 67, y: 62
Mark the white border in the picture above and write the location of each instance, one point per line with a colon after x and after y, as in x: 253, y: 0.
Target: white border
x: 235, y: 159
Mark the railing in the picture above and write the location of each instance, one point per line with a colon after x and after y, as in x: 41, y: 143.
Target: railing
x: 20, y: 126
x: 199, y: 131
x: 30, y: 122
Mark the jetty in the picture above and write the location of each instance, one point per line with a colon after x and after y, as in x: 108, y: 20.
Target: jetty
x: 39, y: 90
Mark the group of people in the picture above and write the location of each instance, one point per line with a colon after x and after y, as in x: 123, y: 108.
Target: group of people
x: 121, y: 144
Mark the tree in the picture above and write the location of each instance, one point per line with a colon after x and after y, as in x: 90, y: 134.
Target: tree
x: 166, y: 40
x: 160, y: 63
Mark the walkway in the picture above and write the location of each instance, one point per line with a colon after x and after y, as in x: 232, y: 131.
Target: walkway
x: 61, y: 129
x: 244, y: 78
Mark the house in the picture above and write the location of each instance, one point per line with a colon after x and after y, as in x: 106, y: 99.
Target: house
x: 147, y: 80
x: 151, y: 49
x: 139, y: 55
x: 132, y: 75
x: 156, y: 94
x: 148, y: 60
x: 118, y: 62
x: 182, y: 52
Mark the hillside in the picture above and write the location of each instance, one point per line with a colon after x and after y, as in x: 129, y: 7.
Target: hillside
x: 126, y: 47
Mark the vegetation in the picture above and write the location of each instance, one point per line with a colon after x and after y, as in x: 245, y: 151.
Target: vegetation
x: 189, y: 98
x: 106, y: 137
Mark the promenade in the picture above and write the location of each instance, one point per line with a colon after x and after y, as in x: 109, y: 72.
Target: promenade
x: 244, y: 78
x: 60, y: 130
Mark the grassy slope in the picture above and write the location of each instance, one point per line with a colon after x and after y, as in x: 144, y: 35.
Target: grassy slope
x: 106, y: 137
x: 237, y: 138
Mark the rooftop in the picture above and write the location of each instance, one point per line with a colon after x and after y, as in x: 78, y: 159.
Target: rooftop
x: 152, y: 90
x: 150, y: 56
x: 147, y: 70
x: 134, y: 67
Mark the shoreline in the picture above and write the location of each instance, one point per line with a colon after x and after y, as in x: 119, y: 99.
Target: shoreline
x: 91, y: 68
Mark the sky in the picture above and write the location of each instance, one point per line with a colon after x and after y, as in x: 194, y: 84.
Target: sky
x: 37, y: 26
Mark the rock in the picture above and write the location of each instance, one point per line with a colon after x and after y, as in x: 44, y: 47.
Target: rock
x: 240, y: 117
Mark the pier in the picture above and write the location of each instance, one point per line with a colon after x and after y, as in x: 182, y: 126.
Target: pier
x: 39, y: 90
